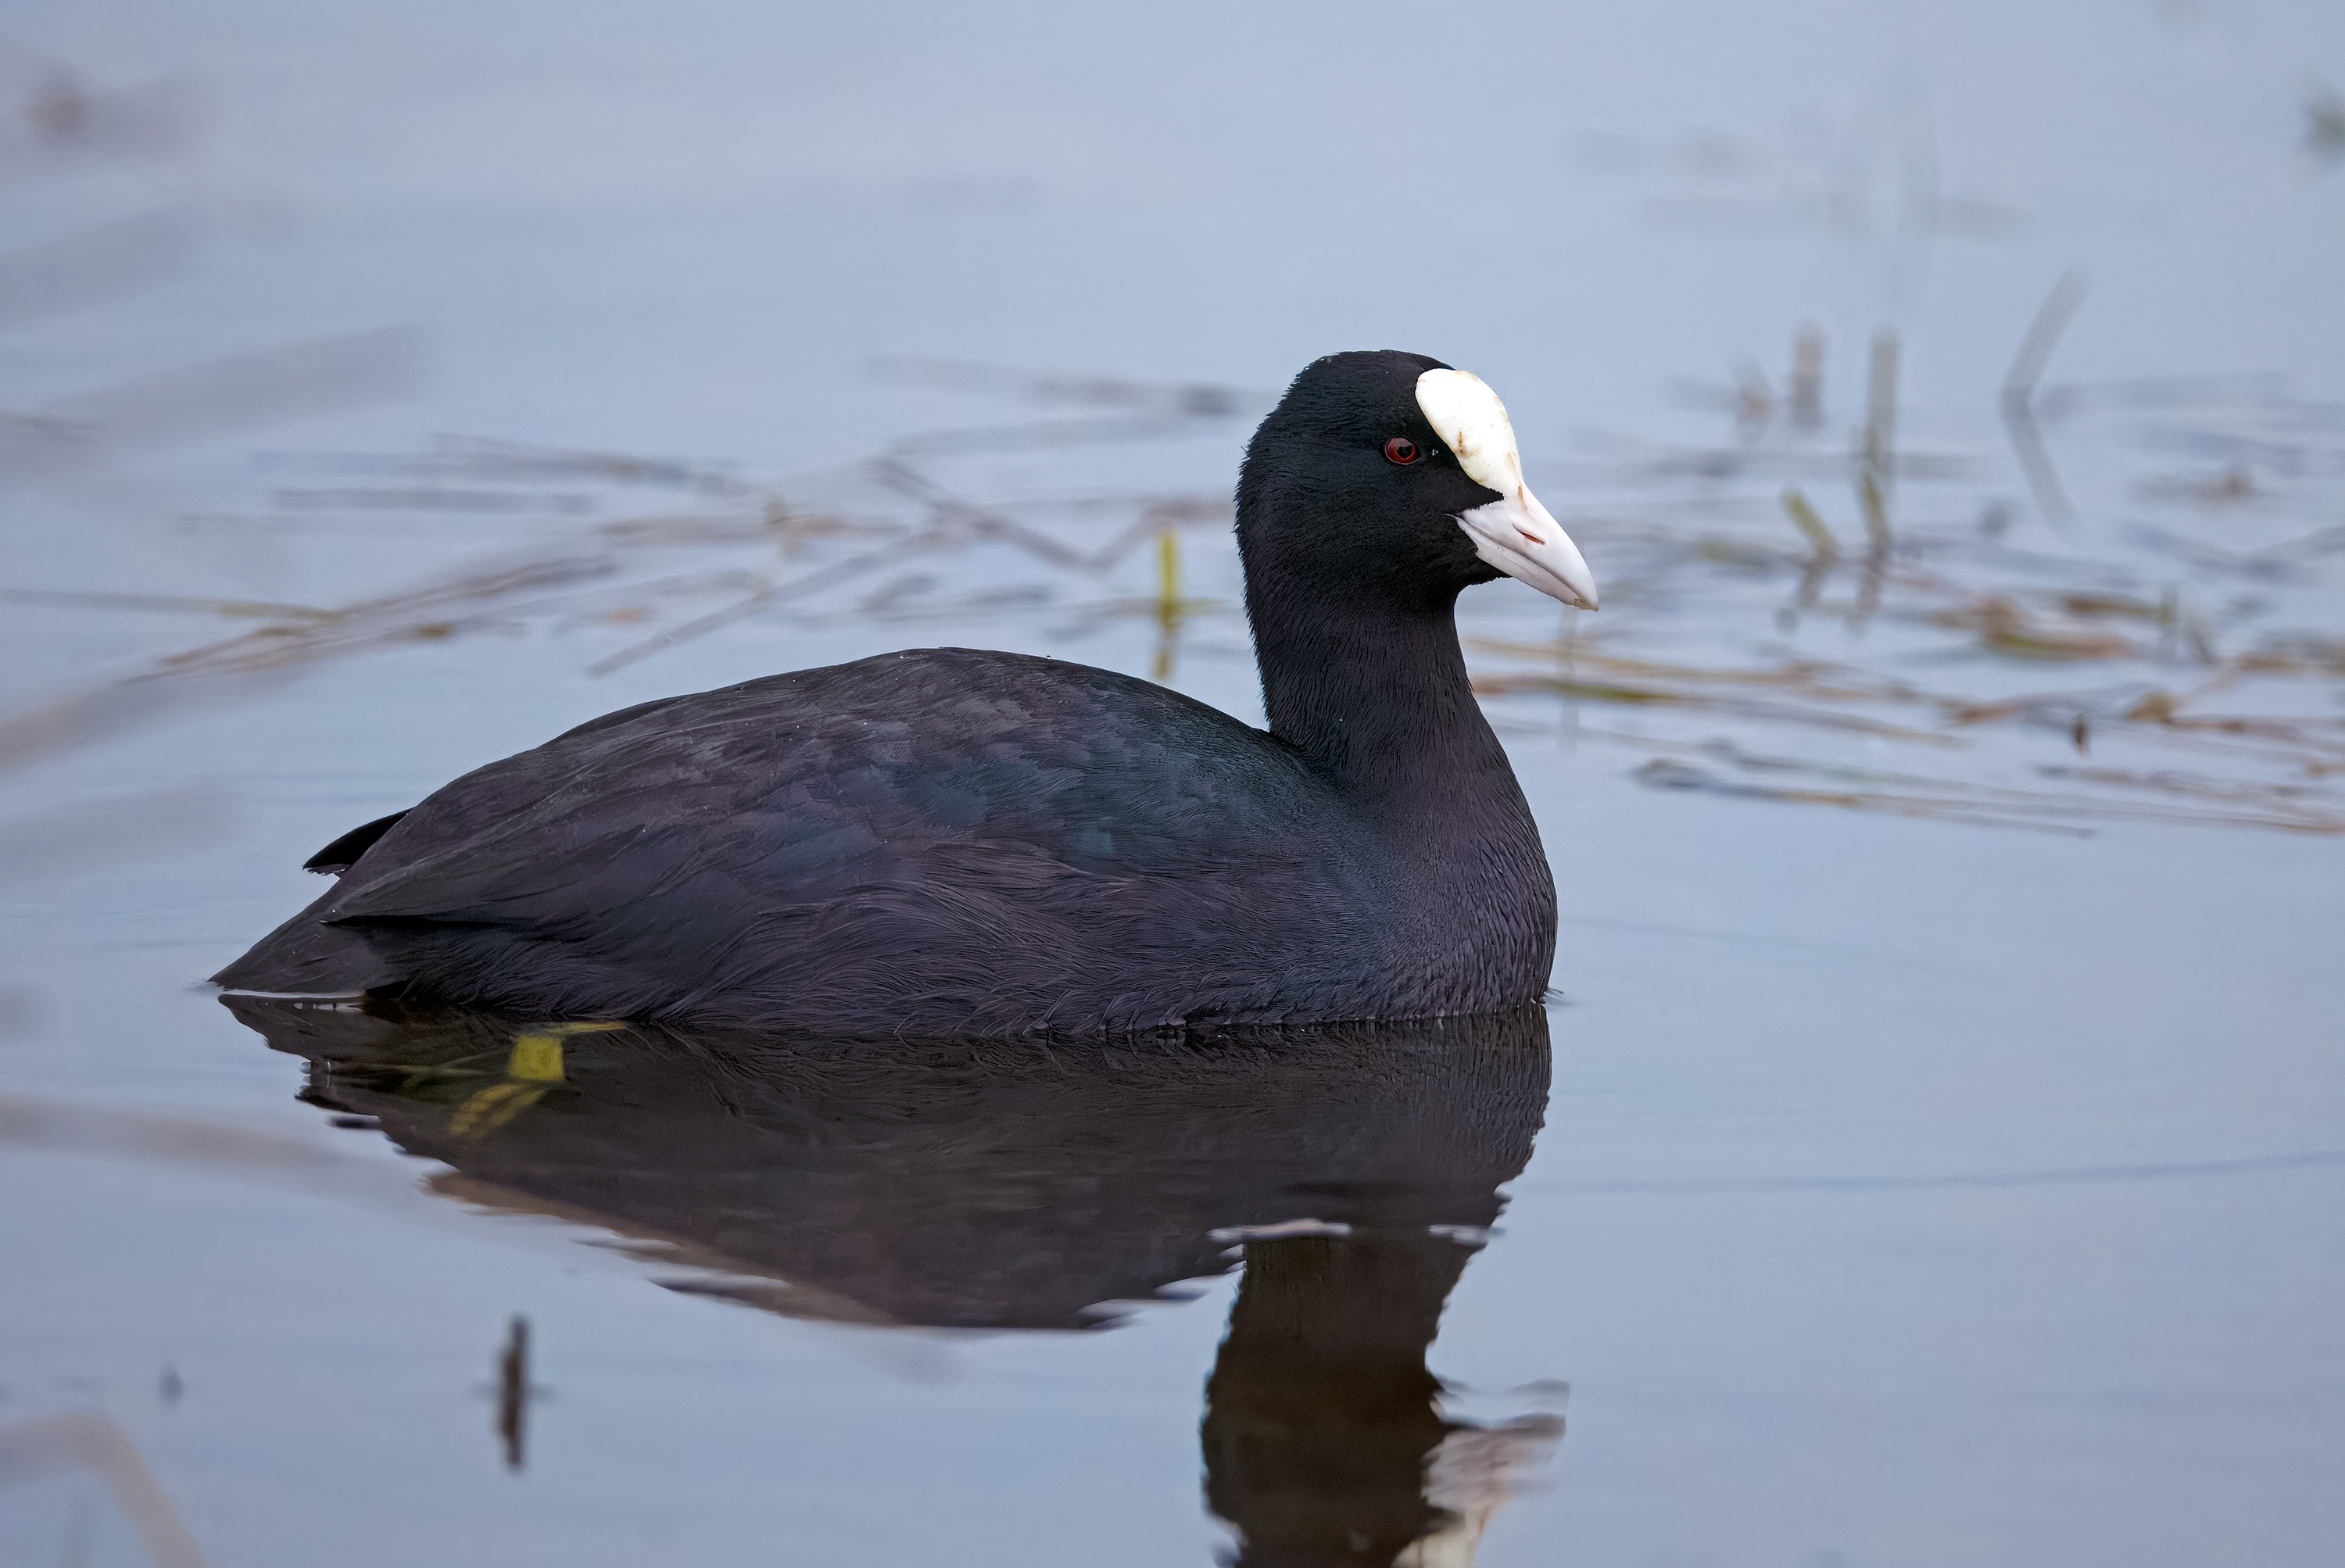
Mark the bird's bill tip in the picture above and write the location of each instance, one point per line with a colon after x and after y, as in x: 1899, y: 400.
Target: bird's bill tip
x: 1516, y: 535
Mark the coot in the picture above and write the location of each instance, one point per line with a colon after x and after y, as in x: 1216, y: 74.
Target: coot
x: 954, y: 842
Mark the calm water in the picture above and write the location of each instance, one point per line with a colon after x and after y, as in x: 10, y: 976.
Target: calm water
x: 1933, y: 1153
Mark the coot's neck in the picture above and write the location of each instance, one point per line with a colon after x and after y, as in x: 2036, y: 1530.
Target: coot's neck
x: 1370, y: 688
x: 1376, y: 696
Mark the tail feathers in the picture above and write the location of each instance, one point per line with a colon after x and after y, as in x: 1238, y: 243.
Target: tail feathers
x: 344, y: 851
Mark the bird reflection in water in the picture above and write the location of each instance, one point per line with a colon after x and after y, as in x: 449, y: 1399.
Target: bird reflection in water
x: 1034, y: 1184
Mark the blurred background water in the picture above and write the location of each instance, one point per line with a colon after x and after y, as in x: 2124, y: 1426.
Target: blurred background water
x: 1946, y: 1123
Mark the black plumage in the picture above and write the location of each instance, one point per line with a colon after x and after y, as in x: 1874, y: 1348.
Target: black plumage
x: 949, y: 841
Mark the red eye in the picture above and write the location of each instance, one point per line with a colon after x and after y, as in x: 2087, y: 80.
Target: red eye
x: 1400, y: 448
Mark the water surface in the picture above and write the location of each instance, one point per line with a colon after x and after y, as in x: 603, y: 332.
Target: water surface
x: 1932, y: 1151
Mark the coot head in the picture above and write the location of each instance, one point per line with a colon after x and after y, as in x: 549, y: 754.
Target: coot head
x: 1393, y: 481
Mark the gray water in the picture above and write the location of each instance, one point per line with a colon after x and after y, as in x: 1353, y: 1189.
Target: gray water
x: 1934, y: 1151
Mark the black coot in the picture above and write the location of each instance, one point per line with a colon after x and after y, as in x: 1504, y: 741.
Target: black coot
x: 956, y: 842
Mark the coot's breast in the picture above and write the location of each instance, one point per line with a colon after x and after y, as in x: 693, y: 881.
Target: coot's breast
x: 929, y: 842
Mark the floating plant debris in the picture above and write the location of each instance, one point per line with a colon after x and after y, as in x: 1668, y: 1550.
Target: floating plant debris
x: 1723, y: 624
